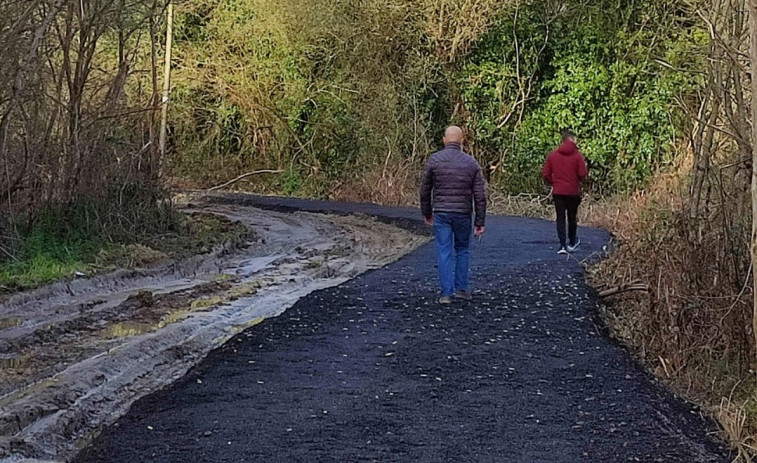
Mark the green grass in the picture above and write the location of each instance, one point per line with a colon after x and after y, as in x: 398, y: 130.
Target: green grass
x: 49, y: 252
x: 38, y: 270
x: 47, y: 255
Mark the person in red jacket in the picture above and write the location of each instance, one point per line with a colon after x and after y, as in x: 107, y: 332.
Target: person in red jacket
x: 564, y: 169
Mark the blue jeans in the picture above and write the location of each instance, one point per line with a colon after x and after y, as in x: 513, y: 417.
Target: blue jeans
x: 453, y: 232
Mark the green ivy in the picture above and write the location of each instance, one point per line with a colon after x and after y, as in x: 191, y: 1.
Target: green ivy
x: 598, y: 77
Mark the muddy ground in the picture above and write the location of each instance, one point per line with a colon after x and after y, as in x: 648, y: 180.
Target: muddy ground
x: 75, y: 355
x: 375, y: 370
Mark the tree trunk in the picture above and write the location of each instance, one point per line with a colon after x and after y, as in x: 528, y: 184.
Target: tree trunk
x: 753, y: 67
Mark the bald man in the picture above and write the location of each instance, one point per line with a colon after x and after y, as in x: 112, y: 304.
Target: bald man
x: 452, y: 184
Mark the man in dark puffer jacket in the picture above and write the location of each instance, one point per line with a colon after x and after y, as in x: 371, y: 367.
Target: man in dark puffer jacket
x: 455, y: 179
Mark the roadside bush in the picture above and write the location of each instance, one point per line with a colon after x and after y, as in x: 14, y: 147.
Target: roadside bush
x: 539, y: 70
x: 324, y: 93
x: 681, y: 304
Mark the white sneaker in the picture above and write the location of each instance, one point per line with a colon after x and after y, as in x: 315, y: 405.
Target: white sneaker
x: 575, y: 246
x: 562, y: 251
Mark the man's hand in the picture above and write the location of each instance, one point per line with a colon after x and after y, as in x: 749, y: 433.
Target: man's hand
x: 478, y: 232
x: 429, y: 220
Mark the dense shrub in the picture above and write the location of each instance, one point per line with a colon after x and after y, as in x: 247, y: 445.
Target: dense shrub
x: 538, y: 71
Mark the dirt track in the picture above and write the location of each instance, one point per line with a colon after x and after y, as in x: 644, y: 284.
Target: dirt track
x: 375, y: 370
x: 75, y: 355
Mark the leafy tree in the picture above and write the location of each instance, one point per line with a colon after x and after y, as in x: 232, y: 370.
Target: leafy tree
x: 589, y: 69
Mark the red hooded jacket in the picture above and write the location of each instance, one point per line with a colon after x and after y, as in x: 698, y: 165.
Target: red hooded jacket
x: 564, y: 169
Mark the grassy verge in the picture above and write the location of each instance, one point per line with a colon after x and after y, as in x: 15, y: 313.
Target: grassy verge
x: 47, y: 254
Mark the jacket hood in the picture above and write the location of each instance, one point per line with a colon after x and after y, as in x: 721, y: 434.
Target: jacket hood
x: 567, y: 148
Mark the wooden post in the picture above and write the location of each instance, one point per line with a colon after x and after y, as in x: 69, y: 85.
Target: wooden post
x: 166, y: 88
x: 753, y: 66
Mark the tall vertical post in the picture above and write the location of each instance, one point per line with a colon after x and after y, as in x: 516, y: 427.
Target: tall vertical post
x: 753, y: 65
x: 166, y: 87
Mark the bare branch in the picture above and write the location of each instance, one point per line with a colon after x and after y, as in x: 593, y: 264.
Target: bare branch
x: 243, y: 176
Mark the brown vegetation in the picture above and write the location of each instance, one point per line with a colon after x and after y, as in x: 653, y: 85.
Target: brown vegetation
x: 455, y: 26
x: 67, y: 126
x: 689, y: 318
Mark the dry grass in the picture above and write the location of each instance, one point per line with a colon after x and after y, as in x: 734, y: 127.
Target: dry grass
x: 735, y: 418
x: 523, y: 205
x: 395, y: 183
x: 690, y: 323
x: 455, y: 26
x: 593, y: 212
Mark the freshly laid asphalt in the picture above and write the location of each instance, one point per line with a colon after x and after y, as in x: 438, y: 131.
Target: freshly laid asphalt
x: 375, y: 370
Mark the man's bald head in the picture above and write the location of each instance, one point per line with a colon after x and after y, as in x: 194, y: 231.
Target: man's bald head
x: 453, y: 134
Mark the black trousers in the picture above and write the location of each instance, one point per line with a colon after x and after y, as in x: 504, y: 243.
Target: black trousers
x: 567, y: 205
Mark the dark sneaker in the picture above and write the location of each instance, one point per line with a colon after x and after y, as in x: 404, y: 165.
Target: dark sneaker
x: 573, y: 247
x: 445, y: 300
x: 562, y: 250
x: 464, y: 295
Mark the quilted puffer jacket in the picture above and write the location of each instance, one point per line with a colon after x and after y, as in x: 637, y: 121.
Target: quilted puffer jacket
x: 455, y: 180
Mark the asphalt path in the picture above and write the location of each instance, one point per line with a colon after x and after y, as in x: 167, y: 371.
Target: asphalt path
x: 375, y: 370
